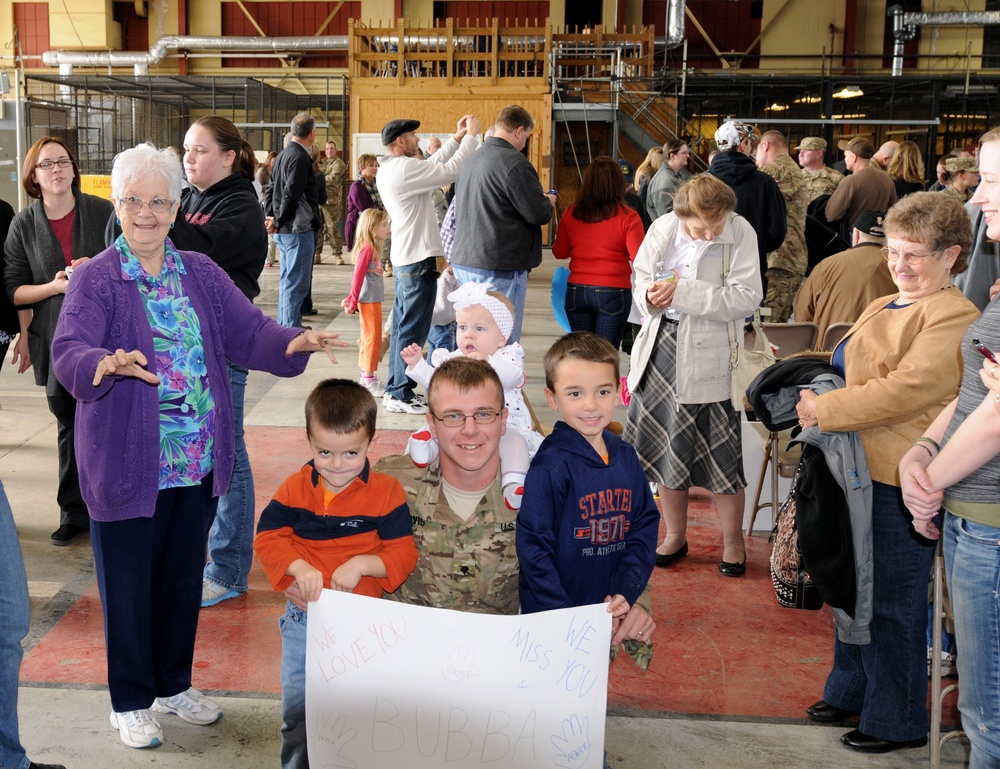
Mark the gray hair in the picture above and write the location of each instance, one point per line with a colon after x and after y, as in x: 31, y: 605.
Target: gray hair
x: 146, y: 163
x: 302, y: 125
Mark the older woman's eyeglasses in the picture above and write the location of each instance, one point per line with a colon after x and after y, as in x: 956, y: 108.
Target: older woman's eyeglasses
x: 48, y: 165
x: 913, y: 257
x: 156, y: 205
x: 454, y: 419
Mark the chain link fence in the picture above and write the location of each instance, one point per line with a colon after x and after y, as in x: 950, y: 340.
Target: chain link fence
x: 99, y: 116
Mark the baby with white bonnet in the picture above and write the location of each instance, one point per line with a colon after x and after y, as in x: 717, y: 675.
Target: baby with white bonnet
x: 485, y: 319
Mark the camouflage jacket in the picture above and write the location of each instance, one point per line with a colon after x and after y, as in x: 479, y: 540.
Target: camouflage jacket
x: 463, y: 565
x: 791, y: 255
x: 961, y: 197
x: 335, y: 172
x: 822, y: 182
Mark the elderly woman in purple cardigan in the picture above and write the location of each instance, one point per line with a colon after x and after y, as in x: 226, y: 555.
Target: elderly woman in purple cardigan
x: 142, y: 343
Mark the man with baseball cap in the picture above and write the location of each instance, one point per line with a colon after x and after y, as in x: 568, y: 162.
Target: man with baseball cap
x: 820, y: 178
x: 786, y: 265
x: 843, y: 285
x: 867, y: 188
x: 404, y: 182
x: 758, y: 198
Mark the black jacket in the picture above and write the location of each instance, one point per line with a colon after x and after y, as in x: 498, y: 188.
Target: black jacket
x: 8, y: 313
x: 288, y: 197
x: 226, y: 224
x: 758, y: 200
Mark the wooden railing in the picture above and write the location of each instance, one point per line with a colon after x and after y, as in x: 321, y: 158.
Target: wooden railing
x: 489, y: 50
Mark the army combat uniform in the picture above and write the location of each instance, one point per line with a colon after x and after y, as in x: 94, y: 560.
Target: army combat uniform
x: 464, y: 565
x: 786, y: 265
x: 822, y: 182
x: 335, y: 171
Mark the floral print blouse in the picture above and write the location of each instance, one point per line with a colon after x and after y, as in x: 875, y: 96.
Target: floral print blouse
x: 187, y: 408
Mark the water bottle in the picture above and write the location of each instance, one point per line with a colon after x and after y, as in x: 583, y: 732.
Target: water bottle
x: 665, y: 273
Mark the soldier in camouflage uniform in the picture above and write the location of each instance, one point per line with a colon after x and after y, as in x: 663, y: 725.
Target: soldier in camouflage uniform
x: 963, y: 178
x: 335, y: 171
x: 820, y: 178
x: 786, y: 266
x: 466, y: 556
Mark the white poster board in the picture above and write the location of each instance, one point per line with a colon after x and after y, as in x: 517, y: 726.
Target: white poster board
x: 371, y: 144
x: 393, y: 686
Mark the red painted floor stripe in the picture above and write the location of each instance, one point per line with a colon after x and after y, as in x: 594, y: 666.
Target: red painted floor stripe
x: 723, y: 646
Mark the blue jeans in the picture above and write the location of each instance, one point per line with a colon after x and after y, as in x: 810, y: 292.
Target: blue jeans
x: 511, y: 283
x: 886, y: 680
x: 293, y: 688
x: 600, y: 310
x: 16, y: 612
x: 972, y: 564
x: 230, y: 542
x: 294, y: 273
x: 442, y: 337
x: 416, y: 287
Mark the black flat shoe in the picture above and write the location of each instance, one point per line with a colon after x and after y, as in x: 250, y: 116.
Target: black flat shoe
x: 733, y: 569
x: 858, y: 740
x: 824, y: 713
x: 67, y: 534
x: 665, y: 559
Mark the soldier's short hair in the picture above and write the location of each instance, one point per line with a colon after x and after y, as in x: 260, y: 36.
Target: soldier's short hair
x: 341, y: 406
x: 579, y: 345
x: 464, y: 374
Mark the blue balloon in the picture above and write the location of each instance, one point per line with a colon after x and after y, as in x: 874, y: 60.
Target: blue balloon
x: 560, y: 281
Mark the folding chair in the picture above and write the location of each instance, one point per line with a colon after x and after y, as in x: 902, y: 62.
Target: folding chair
x: 834, y: 333
x: 788, y: 338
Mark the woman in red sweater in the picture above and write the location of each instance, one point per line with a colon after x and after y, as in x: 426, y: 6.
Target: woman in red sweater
x: 600, y: 235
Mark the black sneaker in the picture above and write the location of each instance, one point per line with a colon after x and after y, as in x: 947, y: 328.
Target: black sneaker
x: 67, y: 534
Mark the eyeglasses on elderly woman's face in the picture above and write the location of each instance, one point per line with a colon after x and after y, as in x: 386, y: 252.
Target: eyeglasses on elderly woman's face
x: 912, y: 257
x: 48, y: 165
x: 134, y: 205
x: 455, y: 419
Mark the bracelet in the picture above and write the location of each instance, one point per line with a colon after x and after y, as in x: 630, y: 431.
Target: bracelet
x: 925, y: 448
x: 929, y: 442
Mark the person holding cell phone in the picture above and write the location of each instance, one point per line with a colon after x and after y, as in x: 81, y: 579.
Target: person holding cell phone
x: 955, y: 466
x: 901, y: 367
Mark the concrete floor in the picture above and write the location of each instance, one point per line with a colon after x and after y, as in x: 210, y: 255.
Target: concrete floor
x: 69, y: 724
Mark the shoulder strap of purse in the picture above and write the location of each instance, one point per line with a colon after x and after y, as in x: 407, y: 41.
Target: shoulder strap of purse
x: 734, y: 347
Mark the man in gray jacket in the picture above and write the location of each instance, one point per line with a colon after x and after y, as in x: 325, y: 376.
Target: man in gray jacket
x: 500, y: 209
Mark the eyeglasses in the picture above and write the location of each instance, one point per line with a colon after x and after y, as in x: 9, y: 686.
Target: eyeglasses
x: 893, y: 255
x: 48, y: 165
x: 156, y: 205
x: 454, y: 419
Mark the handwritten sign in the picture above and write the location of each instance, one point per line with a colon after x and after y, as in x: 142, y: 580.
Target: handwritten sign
x: 390, y: 685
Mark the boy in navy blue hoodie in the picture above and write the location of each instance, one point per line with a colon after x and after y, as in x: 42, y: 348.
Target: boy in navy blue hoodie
x: 588, y: 524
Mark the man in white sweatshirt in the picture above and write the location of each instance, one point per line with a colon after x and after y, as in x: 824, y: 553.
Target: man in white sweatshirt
x: 405, y: 181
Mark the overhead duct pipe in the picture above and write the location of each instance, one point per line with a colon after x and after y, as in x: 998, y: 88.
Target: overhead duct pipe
x: 140, y: 61
x: 905, y: 23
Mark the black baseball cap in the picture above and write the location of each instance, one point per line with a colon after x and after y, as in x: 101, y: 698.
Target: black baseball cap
x: 396, y: 128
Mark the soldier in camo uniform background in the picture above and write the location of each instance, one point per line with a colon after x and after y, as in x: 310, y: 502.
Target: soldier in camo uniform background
x: 963, y: 178
x: 786, y: 266
x: 820, y: 178
x: 335, y: 171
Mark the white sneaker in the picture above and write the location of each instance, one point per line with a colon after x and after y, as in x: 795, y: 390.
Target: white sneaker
x: 212, y: 593
x: 397, y: 406
x: 137, y: 728
x: 191, y: 706
x: 375, y: 387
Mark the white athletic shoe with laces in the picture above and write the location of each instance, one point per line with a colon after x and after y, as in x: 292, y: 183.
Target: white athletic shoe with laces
x: 191, y: 706
x: 137, y: 728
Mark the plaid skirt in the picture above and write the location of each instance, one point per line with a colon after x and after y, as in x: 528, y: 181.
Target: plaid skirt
x: 682, y: 445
